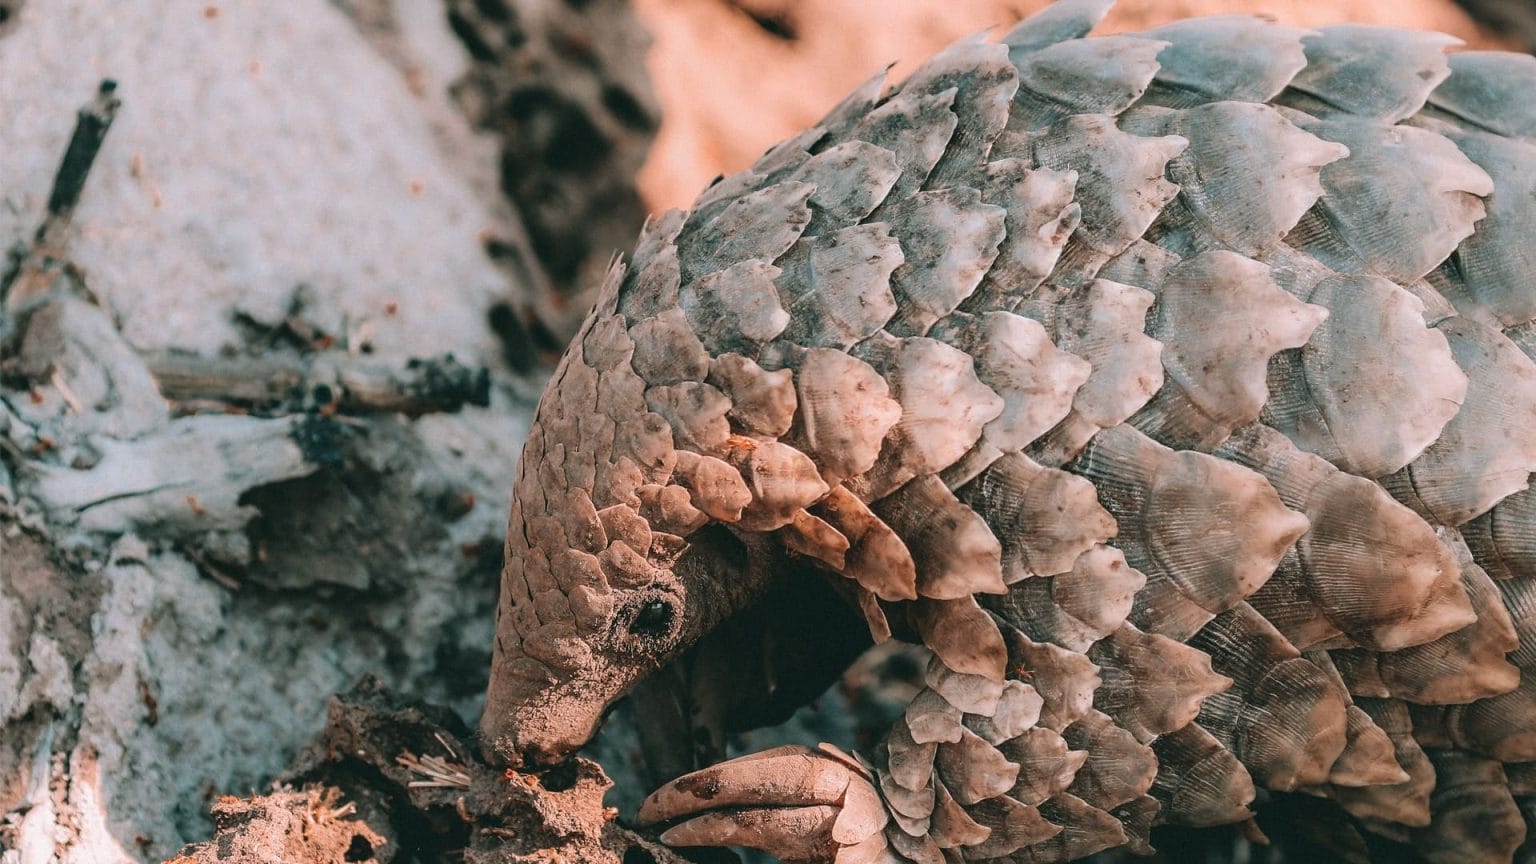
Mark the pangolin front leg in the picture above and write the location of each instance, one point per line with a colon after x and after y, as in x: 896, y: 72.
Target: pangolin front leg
x: 797, y: 803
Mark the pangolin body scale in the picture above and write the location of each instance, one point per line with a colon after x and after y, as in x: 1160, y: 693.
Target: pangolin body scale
x: 1176, y: 391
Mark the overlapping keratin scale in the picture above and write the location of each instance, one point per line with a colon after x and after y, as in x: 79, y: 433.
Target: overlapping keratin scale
x: 908, y: 342
x: 1245, y: 180
x: 1451, y: 601
x: 1045, y: 519
x: 1120, y: 187
x: 1406, y: 802
x: 1205, y: 531
x: 1237, y: 58
x: 1199, y: 782
x: 1462, y: 666
x: 1486, y: 452
x: 1488, y: 279
x: 1473, y: 815
x: 1375, y: 332
x: 1220, y: 317
x: 1396, y: 206
x: 1076, y: 608
x: 1503, y: 540
x: 1382, y: 73
x: 1037, y: 381
x: 1058, y: 22
x: 1367, y: 568
x: 1104, y: 323
x: 1284, y: 718
x: 1082, y: 76
x: 1152, y: 685
x: 1369, y: 757
x: 1487, y: 91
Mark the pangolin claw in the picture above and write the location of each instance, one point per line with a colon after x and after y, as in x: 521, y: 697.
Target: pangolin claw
x: 797, y: 803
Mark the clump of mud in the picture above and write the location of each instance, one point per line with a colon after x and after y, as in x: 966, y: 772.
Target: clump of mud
x: 307, y: 825
x: 393, y: 780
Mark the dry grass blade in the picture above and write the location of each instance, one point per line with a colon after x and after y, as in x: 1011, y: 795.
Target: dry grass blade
x: 439, y: 772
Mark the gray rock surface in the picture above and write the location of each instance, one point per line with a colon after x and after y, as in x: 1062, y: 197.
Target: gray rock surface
x: 263, y: 157
x: 181, y: 590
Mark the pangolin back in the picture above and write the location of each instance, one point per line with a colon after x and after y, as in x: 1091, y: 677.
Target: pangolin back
x: 1176, y: 388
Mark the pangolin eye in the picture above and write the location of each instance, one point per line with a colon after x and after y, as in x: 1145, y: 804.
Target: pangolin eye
x: 653, y: 619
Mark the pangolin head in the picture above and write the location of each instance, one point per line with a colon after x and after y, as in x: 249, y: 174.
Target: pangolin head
x: 642, y: 517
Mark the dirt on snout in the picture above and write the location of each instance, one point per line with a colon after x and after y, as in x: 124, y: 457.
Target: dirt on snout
x: 391, y: 780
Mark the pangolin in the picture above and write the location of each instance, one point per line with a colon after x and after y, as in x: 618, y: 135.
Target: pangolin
x: 1173, y: 392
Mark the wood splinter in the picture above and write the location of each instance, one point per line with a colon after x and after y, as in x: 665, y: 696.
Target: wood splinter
x: 44, y: 262
x: 330, y: 381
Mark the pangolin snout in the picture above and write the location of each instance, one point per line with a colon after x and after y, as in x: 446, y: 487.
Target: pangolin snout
x: 542, y: 727
x: 533, y: 739
x: 548, y: 754
x: 519, y: 749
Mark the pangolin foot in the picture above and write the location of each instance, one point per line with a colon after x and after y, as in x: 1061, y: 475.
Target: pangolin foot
x: 796, y: 803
